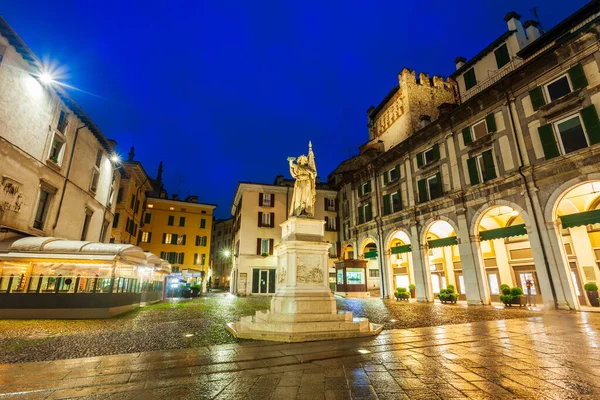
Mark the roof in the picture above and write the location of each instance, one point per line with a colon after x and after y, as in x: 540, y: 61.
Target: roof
x: 51, y: 247
x: 9, y: 33
x: 488, y: 49
x: 562, y: 28
x: 181, y: 201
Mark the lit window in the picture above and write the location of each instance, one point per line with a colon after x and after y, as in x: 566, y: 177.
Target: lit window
x: 145, y: 237
x: 150, y: 205
x: 330, y: 204
x: 168, y: 238
x: 264, y: 246
x: 57, y: 149
x: 171, y: 208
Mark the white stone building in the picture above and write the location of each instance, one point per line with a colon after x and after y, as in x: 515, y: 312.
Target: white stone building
x: 258, y: 210
x: 56, y: 174
x: 501, y: 187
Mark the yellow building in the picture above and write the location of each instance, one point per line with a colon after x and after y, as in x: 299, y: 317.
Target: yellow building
x: 179, y: 231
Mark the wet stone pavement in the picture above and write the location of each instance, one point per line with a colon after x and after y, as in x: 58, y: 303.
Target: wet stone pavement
x: 550, y: 356
x: 180, y: 324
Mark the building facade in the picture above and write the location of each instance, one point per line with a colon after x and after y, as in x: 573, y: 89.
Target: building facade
x: 131, y: 201
x: 258, y: 210
x: 501, y: 187
x: 221, y: 252
x: 179, y: 231
x: 57, y: 177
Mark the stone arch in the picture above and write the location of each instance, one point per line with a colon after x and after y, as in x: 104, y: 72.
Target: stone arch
x: 392, y: 233
x: 480, y: 213
x: 551, y: 208
x: 366, y: 240
x: 427, y: 226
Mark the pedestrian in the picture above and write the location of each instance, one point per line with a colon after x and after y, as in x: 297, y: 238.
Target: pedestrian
x: 529, y: 286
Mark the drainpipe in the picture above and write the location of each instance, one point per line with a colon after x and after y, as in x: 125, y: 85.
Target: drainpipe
x: 529, y: 197
x: 62, y: 195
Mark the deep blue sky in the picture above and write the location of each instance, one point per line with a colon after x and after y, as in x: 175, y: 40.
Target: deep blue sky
x: 223, y: 92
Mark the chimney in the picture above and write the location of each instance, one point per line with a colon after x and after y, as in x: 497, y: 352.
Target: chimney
x: 459, y: 62
x: 424, y: 120
x: 112, y: 143
x: 513, y: 20
x: 160, y: 171
x: 174, y: 196
x: 131, y: 154
x: 532, y: 28
x: 192, y: 199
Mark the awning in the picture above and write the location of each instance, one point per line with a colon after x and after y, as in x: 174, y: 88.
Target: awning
x: 449, y: 241
x: 401, y: 249
x: 371, y: 254
x: 580, y: 219
x: 500, y: 233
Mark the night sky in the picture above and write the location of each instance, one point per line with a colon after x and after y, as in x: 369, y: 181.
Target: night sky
x: 223, y: 92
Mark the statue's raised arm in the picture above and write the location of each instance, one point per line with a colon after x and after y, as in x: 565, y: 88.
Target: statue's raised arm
x: 305, y: 193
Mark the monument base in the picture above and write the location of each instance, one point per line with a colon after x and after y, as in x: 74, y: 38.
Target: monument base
x: 303, y: 308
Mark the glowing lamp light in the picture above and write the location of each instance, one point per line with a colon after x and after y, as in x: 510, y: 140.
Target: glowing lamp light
x: 514, y: 213
x: 226, y: 253
x: 46, y: 78
x: 115, y: 158
x: 363, y: 351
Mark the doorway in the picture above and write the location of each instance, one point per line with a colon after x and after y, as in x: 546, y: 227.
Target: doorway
x: 577, y: 283
x: 526, y: 276
x: 263, y: 281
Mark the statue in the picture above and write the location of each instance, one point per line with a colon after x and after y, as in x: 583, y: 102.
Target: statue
x: 305, y: 192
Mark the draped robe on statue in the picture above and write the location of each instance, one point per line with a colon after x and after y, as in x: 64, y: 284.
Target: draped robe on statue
x: 305, y: 194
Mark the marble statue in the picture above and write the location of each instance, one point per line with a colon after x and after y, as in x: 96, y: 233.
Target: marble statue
x: 305, y: 192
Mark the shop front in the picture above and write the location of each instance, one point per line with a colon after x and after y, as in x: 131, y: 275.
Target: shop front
x: 351, y: 278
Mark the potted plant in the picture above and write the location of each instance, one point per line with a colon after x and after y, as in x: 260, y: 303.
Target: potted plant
x: 195, y: 290
x: 401, y: 294
x: 448, y: 295
x: 413, y: 290
x: 512, y: 296
x: 592, y: 293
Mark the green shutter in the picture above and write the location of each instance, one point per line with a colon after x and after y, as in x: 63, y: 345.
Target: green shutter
x: 174, y: 238
x: 466, y: 132
x: 397, y: 168
x: 401, y: 249
x: 386, y: 179
x: 438, y: 192
x: 436, y: 151
x: 501, y: 233
x: 202, y: 223
x: 420, y: 160
x: 183, y: 240
x: 149, y: 237
x: 592, y: 124
x: 548, y: 141
x: 360, y: 193
x: 386, y: 204
x: 422, y: 186
x: 536, y: 95
x: 473, y: 173
x: 470, y: 79
x: 502, y: 57
x: 580, y: 219
x: 489, y: 170
x: 164, y: 239
x: 368, y: 187
x: 490, y: 123
x: 396, y: 201
x: 578, y: 79
x: 449, y: 241
x: 255, y: 279
x: 361, y: 218
x: 271, y: 287
x: 368, y: 212
x: 195, y: 260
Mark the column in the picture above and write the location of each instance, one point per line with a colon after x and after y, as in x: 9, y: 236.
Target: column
x: 502, y: 263
x: 584, y: 252
x: 422, y: 274
x: 472, y: 266
x: 449, y: 267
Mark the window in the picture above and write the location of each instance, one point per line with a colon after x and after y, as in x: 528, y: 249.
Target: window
x: 391, y: 175
x: 364, y: 188
x: 502, y: 57
x: 266, y: 199
x: 203, y: 212
x: 111, y: 193
x: 373, y: 273
x: 570, y: 134
x: 333, y: 250
x: 201, y: 240
x: 266, y: 219
x: 329, y: 204
x: 105, y: 226
x: 42, y: 209
x: 167, y: 238
x: 116, y: 220
x: 428, y: 156
x: 479, y: 129
x: 391, y: 203
x: 86, y: 223
x: 180, y: 258
x: 470, y: 79
x: 147, y: 218
x: 63, y: 122
x: 181, y: 239
x: 331, y: 223
x: 203, y: 259
x: 430, y: 188
x: 146, y: 237
x: 481, y: 167
x: 202, y: 223
x: 57, y: 149
x: 181, y: 221
x: 137, y: 207
x: 574, y: 79
x: 195, y: 262
x: 364, y: 213
x: 96, y: 172
x: 346, y: 231
x: 120, y: 195
x: 132, y: 202
x: 171, y: 220
x: 264, y: 246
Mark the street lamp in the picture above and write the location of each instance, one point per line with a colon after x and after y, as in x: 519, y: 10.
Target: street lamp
x: 46, y: 78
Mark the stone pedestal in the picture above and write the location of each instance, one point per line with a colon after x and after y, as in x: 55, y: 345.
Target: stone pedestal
x: 303, y: 308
